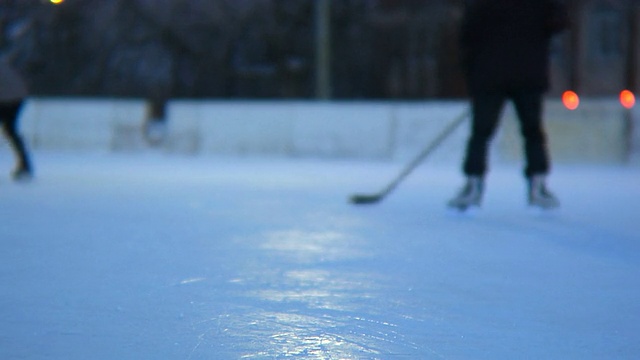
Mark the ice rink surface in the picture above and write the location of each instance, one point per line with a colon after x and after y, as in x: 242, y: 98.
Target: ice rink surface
x: 150, y: 256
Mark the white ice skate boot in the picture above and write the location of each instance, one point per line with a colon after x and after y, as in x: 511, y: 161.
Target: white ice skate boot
x: 469, y: 195
x: 539, y: 195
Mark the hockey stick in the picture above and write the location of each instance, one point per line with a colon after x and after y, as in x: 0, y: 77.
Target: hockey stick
x: 360, y: 199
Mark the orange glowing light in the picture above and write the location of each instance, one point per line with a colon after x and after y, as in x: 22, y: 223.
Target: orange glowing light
x: 570, y: 100
x: 627, y: 99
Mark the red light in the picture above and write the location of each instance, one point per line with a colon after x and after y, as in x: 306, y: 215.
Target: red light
x: 627, y: 99
x: 570, y: 100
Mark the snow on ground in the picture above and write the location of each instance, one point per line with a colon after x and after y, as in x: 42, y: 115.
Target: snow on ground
x: 147, y: 256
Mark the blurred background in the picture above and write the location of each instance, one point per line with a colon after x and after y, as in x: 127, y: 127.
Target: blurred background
x: 346, y: 49
x: 128, y: 74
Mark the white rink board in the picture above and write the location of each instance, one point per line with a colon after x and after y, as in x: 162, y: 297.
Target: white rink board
x: 600, y: 131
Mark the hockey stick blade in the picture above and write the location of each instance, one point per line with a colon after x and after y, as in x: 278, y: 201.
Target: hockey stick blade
x: 360, y: 199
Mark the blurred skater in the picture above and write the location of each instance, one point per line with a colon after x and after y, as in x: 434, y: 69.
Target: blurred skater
x: 505, y: 46
x: 13, y: 91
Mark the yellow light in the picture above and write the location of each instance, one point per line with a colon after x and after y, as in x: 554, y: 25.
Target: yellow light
x: 56, y: 1
x: 570, y: 100
x: 627, y: 99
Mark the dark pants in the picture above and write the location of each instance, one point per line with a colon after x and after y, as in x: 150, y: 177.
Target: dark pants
x: 9, y: 117
x: 486, y: 110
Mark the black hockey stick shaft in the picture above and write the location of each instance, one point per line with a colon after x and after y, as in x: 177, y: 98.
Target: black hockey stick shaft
x: 433, y: 145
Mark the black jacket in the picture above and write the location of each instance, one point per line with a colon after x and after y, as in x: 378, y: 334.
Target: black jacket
x: 505, y: 43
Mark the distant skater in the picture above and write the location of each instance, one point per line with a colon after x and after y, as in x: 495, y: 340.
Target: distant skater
x: 505, y: 46
x: 13, y: 91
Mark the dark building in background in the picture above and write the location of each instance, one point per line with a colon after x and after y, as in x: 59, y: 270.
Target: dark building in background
x: 600, y: 55
x: 380, y: 49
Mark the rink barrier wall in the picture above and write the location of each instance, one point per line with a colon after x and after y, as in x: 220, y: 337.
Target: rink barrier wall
x: 83, y: 124
x: 599, y: 131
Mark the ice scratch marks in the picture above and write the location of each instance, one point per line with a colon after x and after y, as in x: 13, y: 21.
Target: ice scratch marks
x: 324, y: 336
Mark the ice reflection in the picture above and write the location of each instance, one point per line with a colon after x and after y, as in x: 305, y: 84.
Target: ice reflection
x: 313, y: 246
x: 318, y: 289
x: 192, y: 280
x: 314, y: 307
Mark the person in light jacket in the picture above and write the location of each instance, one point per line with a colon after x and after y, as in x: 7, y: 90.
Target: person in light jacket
x: 13, y: 91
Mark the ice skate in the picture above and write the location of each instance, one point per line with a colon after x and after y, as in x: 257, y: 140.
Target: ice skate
x: 539, y: 195
x: 470, y: 194
x: 22, y: 174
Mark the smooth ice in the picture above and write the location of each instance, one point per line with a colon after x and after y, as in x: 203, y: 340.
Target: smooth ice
x: 151, y: 256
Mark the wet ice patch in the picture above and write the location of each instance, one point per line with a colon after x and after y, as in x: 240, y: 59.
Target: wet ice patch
x: 313, y: 246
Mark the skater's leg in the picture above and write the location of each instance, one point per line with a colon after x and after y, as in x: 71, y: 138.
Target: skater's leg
x: 486, y: 109
x: 529, y: 109
x: 9, y: 114
x: 486, y: 113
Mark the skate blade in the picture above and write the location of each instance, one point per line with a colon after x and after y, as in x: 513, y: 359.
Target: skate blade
x: 543, y: 212
x: 463, y: 211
